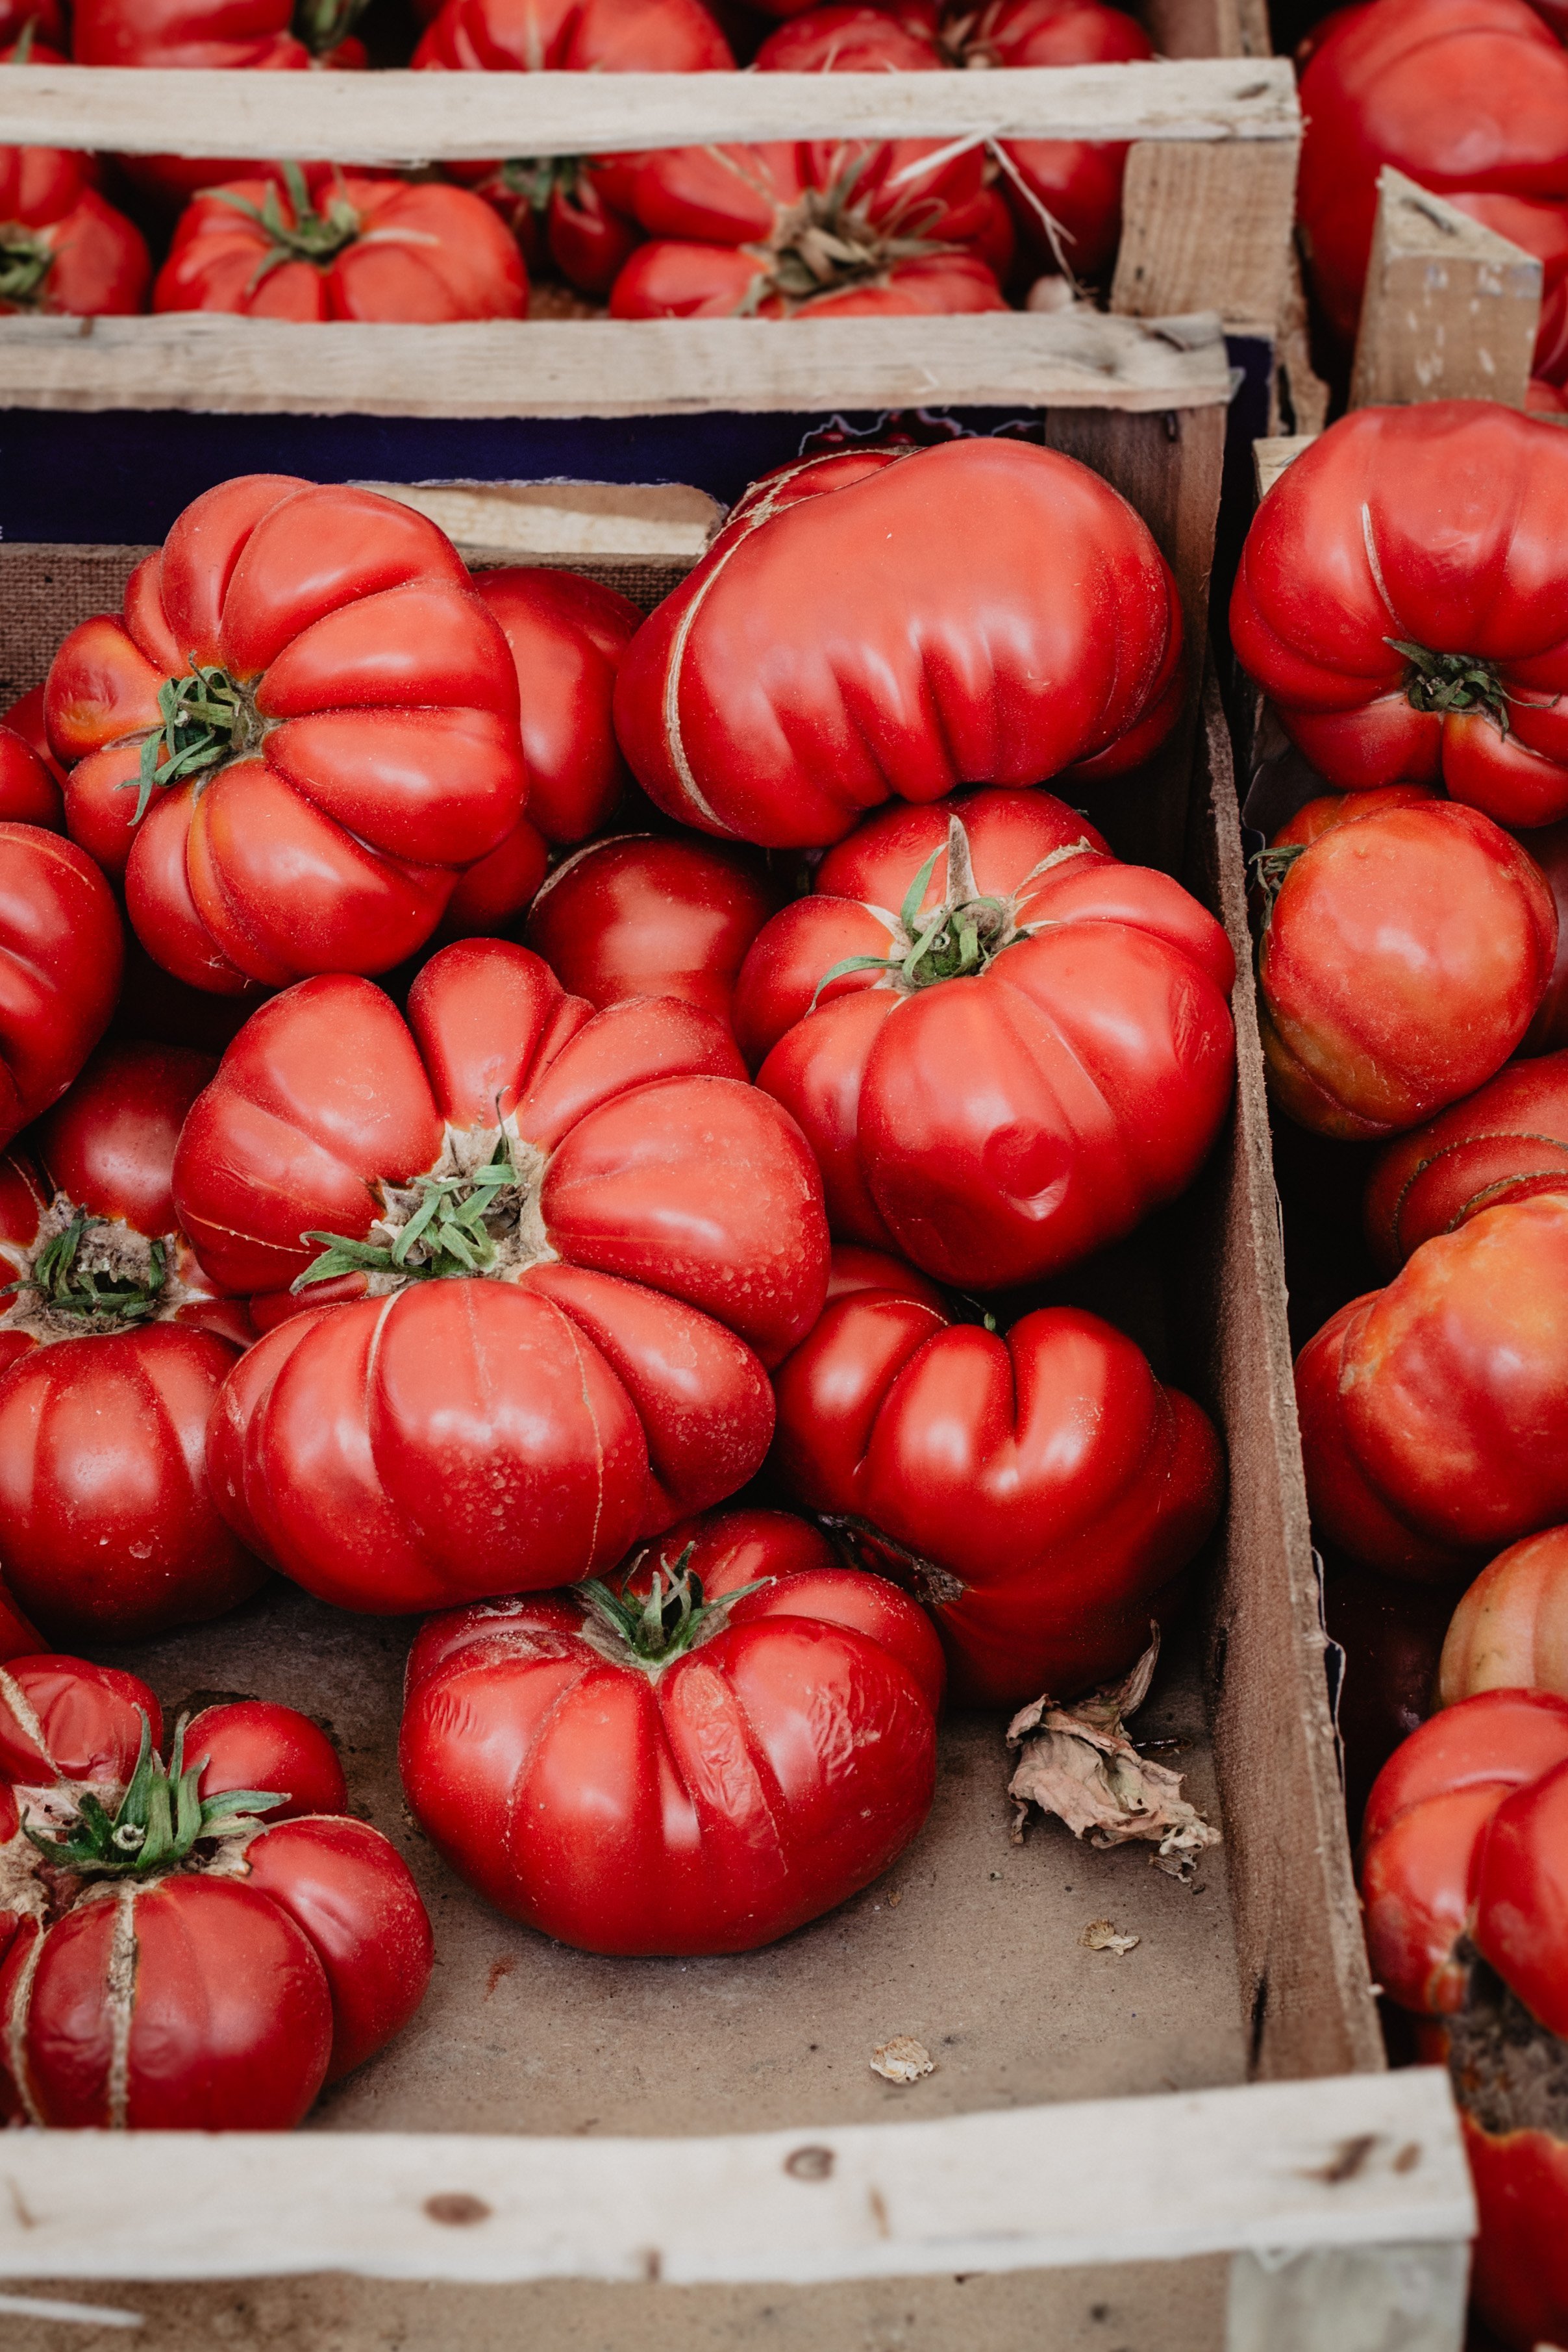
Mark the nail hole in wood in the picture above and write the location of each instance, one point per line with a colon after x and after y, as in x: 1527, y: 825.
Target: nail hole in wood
x: 456, y: 2209
x: 809, y: 2164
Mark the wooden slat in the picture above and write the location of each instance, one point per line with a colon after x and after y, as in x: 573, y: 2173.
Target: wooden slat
x: 556, y: 522
x: 1348, y: 2161
x: 1073, y: 359
x: 1271, y: 457
x: 1350, y: 2299
x: 1450, y: 310
x: 399, y: 117
x: 1206, y: 226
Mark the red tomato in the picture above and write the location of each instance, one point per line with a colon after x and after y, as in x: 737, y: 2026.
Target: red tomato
x: 112, y: 1352
x: 1434, y: 1414
x: 204, y: 1972
x: 1400, y: 963
x: 684, y: 279
x: 558, y: 209
x: 64, y: 251
x: 325, y: 717
x: 40, y: 24
x: 28, y: 793
x: 1017, y: 1068
x: 1317, y: 817
x: 25, y: 718
x: 1469, y: 97
x: 654, y: 1238
x: 1399, y: 600
x: 342, y: 247
x: 1510, y: 1630
x: 1041, y: 1491
x: 1504, y: 1143
x: 643, y: 915
x: 1466, y: 1898
x: 732, y: 1737
x: 801, y: 675
x: 61, y: 954
x: 1548, y: 1030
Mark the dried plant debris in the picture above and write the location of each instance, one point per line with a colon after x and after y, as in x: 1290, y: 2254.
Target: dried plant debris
x: 1078, y: 1763
x: 902, y: 2060
x: 1100, y: 1935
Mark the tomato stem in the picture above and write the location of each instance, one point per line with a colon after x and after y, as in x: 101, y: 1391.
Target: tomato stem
x: 310, y: 236
x: 673, y: 1618
x: 827, y: 241
x: 68, y: 1281
x: 208, y: 718
x: 157, y: 1822
x: 26, y: 261
x: 535, y: 179
x: 1452, y: 682
x: 456, y: 1228
x: 323, y: 25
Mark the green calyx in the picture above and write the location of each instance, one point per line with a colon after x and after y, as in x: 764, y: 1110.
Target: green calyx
x: 26, y: 261
x: 1452, y: 682
x: 1269, y: 868
x: 827, y: 241
x: 208, y: 718
x: 455, y: 1229
x: 315, y: 237
x: 535, y: 179
x: 157, y: 1822
x: 103, y: 1300
x: 673, y: 1619
x: 321, y: 24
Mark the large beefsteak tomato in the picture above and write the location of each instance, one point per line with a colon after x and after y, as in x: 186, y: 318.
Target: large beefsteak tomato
x: 1507, y: 1141
x: 113, y: 1348
x: 1510, y: 1628
x: 318, y: 719
x: 1402, y: 956
x: 1041, y: 1490
x: 62, y: 952
x: 29, y: 793
x: 731, y: 1737
x: 193, y: 1947
x: 1017, y: 1066
x: 881, y: 623
x: 1434, y: 1413
x: 63, y: 250
x: 1465, y: 1890
x: 629, y: 1234
x: 1401, y: 600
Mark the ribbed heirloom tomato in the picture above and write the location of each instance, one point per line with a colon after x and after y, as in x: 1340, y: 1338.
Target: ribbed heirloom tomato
x: 62, y: 952
x: 28, y: 793
x: 1401, y: 601
x: 1510, y: 1628
x: 572, y: 1241
x: 1503, y: 1143
x: 300, y: 732
x: 1016, y: 1067
x: 732, y: 1735
x: 1464, y: 1888
x: 891, y: 623
x: 63, y: 250
x: 1040, y: 1490
x: 192, y: 1947
x: 113, y: 1348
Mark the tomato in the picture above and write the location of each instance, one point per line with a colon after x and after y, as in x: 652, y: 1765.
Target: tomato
x: 1509, y: 1629
x: 556, y: 208
x: 25, y: 718
x: 322, y: 718
x: 1397, y: 600
x: 731, y: 1737
x: 1015, y: 1068
x: 61, y: 954
x: 567, y: 635
x: 1434, y: 1414
x: 1503, y: 1144
x: 28, y: 793
x: 1317, y: 817
x: 195, y: 1948
x: 113, y: 1348
x: 877, y: 624
x: 1469, y: 97
x: 1466, y: 1900
x: 342, y: 246
x: 40, y: 24
x: 1547, y: 1033
x: 1064, y: 195
x: 644, y: 1231
x: 684, y: 279
x: 63, y: 250
x: 1400, y: 962
x: 644, y: 915
x: 1040, y: 1491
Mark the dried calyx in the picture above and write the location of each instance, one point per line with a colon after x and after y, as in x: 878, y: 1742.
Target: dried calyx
x: 159, y: 1821
x: 90, y: 1275
x: 26, y: 260
x: 861, y: 1545
x: 1269, y: 867
x: 653, y: 1630
x: 1452, y: 683
x: 475, y: 1213
x: 827, y: 242
x: 959, y: 938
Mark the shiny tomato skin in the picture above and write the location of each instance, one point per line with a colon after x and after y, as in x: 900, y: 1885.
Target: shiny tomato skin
x: 28, y: 793
x: 348, y: 1891
x: 996, y: 1128
x: 645, y: 915
x: 1432, y: 1412
x: 1439, y: 527
x: 1518, y: 2272
x: 240, y: 1740
x: 1505, y: 1142
x: 670, y: 279
x: 1400, y: 964
x: 574, y: 36
x: 567, y: 636
x: 1509, y: 1629
x: 98, y: 265
x: 390, y: 759
x: 110, y: 1143
x: 1041, y: 1491
x: 76, y: 1721
x: 800, y: 676
x: 1335, y: 809
x: 61, y: 955
x: 748, y: 1787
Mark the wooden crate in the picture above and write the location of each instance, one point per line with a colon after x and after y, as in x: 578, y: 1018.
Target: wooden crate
x: 1191, y: 2146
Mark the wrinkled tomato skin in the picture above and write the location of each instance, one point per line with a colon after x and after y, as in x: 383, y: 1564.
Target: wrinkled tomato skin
x: 1509, y: 1629
x: 1400, y: 965
x: 643, y: 915
x: 61, y: 957
x: 867, y: 631
x: 1044, y: 1490
x: 1505, y: 1142
x: 755, y: 1782
x: 997, y: 1127
x: 1433, y: 1413
x: 390, y: 760
x: 1439, y: 527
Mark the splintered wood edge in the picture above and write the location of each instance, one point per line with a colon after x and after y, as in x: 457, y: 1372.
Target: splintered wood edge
x: 404, y: 117
x: 1271, y: 456
x: 609, y: 368
x: 1350, y: 2160
x: 1412, y: 220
